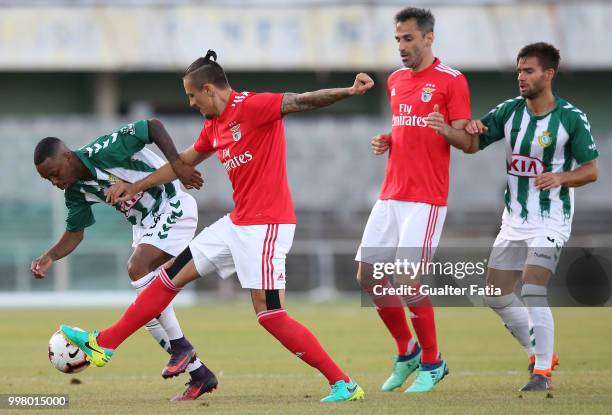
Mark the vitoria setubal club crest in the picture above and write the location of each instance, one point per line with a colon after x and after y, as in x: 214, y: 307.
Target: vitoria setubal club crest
x: 545, y: 139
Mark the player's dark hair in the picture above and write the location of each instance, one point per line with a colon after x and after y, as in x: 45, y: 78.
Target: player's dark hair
x: 206, y: 70
x: 547, y: 54
x: 425, y: 20
x: 47, y: 147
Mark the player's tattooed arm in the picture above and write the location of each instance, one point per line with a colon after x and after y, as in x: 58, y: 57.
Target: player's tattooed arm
x: 185, y: 172
x: 309, y: 101
x: 67, y: 243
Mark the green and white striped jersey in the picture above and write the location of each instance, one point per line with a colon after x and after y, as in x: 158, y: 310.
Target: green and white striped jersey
x: 120, y: 155
x: 554, y: 142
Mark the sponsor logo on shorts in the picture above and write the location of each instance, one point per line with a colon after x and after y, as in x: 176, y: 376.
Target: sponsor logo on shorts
x: 537, y: 255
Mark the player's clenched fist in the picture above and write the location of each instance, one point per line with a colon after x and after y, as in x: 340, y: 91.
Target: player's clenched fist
x: 476, y: 127
x: 381, y: 143
x: 363, y: 82
x: 41, y: 265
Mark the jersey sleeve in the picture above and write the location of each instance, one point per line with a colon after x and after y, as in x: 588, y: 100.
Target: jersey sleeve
x: 80, y: 215
x: 120, y: 145
x: 459, y: 103
x: 494, y: 121
x: 203, y: 144
x: 134, y: 135
x: 581, y: 141
x: 263, y: 108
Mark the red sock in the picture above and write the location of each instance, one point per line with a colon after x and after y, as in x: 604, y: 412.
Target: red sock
x: 425, y: 326
x: 391, y: 310
x: 301, y: 342
x: 149, y: 304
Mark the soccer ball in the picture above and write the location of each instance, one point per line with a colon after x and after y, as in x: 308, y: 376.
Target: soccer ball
x: 64, y: 356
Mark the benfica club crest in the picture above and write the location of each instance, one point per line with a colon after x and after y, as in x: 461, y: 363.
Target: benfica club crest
x: 235, y: 127
x: 426, y: 94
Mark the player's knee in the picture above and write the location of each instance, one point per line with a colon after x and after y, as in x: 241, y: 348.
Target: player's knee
x: 364, y: 278
x: 498, y: 303
x: 137, y: 269
x: 358, y: 277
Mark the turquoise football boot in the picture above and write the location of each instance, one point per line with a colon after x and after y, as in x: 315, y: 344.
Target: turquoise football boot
x: 86, y: 341
x: 343, y: 391
x: 402, y: 368
x: 428, y: 376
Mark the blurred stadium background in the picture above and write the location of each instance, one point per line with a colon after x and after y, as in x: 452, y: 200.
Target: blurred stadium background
x: 77, y: 69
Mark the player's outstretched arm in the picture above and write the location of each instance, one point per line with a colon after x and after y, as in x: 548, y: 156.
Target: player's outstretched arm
x: 581, y: 175
x: 309, y: 101
x: 455, y: 133
x: 67, y: 243
x: 122, y: 191
x: 184, y: 172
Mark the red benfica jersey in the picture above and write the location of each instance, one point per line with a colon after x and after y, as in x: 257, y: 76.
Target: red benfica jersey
x: 249, y: 139
x: 417, y: 169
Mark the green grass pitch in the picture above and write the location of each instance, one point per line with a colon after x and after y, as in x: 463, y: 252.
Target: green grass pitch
x: 257, y: 375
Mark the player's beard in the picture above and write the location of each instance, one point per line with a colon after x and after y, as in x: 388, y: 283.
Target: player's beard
x: 413, y: 57
x: 534, y: 91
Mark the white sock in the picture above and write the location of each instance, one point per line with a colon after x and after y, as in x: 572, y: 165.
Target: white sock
x: 167, y: 318
x: 159, y: 334
x: 514, y: 315
x: 166, y: 327
x: 542, y: 325
x: 197, y: 363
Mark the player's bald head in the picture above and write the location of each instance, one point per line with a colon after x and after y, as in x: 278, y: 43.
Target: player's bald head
x: 48, y: 147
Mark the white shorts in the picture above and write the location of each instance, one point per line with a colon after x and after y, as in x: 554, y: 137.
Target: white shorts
x: 171, y: 228
x: 511, y: 255
x: 412, y: 226
x: 255, y: 252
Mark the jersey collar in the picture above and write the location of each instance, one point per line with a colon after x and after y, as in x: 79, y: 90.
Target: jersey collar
x: 230, y: 102
x: 426, y: 70
x: 541, y: 117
